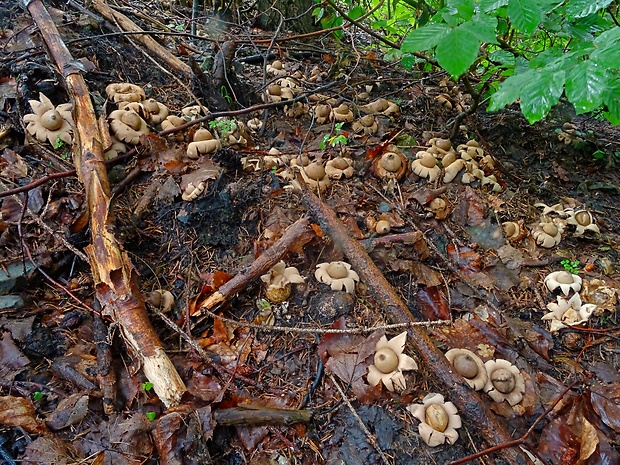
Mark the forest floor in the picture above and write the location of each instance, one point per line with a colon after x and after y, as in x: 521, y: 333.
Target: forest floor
x: 449, y: 260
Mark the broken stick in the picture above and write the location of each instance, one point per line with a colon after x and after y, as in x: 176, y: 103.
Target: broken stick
x: 468, y: 401
x: 114, y: 276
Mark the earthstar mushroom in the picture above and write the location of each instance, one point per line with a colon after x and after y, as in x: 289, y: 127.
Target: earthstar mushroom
x: 563, y: 280
x: 125, y: 92
x: 505, y: 381
x: 315, y: 176
x: 439, y: 420
x: 279, y: 280
x: 547, y: 235
x: 389, y: 363
x: 568, y: 312
x: 339, y: 167
x: 202, y: 143
x: 127, y: 126
x: 582, y: 220
x: 469, y: 366
x: 426, y: 167
x: 49, y: 122
x: 338, y: 275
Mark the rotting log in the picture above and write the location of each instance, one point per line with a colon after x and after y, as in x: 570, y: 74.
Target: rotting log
x: 114, y: 276
x: 468, y: 401
x: 173, y: 63
x: 293, y: 236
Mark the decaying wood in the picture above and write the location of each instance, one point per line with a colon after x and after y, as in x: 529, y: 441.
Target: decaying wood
x: 159, y: 51
x: 468, y: 401
x: 293, y: 235
x: 391, y: 239
x: 261, y: 416
x: 105, y: 371
x: 114, y: 276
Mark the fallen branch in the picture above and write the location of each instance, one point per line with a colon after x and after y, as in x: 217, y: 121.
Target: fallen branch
x: 249, y: 416
x: 114, y: 276
x: 159, y: 51
x: 292, y: 236
x: 468, y: 401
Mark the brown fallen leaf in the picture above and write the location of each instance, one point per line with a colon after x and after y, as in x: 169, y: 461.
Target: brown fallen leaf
x: 19, y: 412
x: 606, y: 403
x: 432, y: 303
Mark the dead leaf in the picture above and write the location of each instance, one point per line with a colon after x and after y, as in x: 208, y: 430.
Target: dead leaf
x: 470, y: 211
x: 345, y: 356
x: 19, y: 412
x: 206, y: 171
x: 432, y: 303
x: 12, y: 361
x: 46, y: 449
x: 606, y: 402
x: 69, y: 411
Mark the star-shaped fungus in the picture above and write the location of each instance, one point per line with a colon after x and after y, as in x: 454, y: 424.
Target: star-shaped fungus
x: 390, y: 362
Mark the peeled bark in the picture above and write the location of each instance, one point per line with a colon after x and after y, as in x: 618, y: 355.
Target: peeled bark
x: 114, y: 275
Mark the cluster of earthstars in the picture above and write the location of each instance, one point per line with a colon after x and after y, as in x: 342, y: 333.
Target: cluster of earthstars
x: 337, y: 274
x: 568, y: 309
x: 439, y: 420
x: 554, y: 221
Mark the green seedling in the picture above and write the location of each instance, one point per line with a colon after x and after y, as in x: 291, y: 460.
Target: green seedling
x: 59, y: 142
x: 38, y: 395
x: 334, y: 140
x: 147, y: 386
x: 223, y: 126
x: 150, y: 415
x: 572, y: 266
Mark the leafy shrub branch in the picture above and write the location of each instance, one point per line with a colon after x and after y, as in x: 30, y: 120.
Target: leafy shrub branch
x: 530, y: 51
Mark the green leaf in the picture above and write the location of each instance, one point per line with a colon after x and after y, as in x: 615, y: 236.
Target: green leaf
x: 491, y: 5
x: 38, y: 395
x: 585, y: 84
x: 503, y: 57
x: 465, y: 8
x: 457, y: 51
x: 509, y: 90
x: 150, y: 415
x: 356, y: 12
x: 524, y: 14
x: 607, y: 51
x: 408, y: 61
x: 582, y: 8
x: 424, y: 38
x: 611, y: 98
x: 483, y: 28
x: 541, y: 93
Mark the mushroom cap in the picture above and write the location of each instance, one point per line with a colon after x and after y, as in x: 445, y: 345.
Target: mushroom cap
x: 439, y: 420
x: 48, y: 122
x: 452, y: 170
x: 469, y: 366
x: 339, y: 167
x: 333, y: 273
x: 386, y: 360
x: 505, y: 381
x: 394, y: 378
x: 426, y: 167
x: 544, y: 235
x: 583, y: 221
x: 279, y: 280
x: 171, y: 122
x: 382, y: 227
x: 343, y: 113
x: 315, y: 171
x: 563, y: 280
x: 125, y: 92
x: 191, y: 192
x: 391, y: 162
x: 568, y: 312
x: 127, y: 126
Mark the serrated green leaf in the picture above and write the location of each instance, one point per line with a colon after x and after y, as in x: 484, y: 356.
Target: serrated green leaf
x: 509, y: 90
x: 607, y: 51
x: 464, y: 8
x: 424, y: 38
x: 356, y: 12
x: 491, y: 5
x: 582, y: 8
x: 408, y: 62
x: 525, y: 15
x: 541, y: 93
x: 483, y: 28
x: 503, y: 57
x: 457, y: 51
x: 585, y: 84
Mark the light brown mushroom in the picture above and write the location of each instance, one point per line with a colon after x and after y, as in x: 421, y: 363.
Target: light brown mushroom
x: 339, y: 167
x: 426, y: 167
x: 582, y: 220
x: 547, y: 234
x: 315, y: 176
x: 376, y: 106
x: 276, y: 69
x: 156, y: 111
x: 49, y: 122
x: 439, y: 420
x: 338, y: 275
x: 452, y: 170
x: 203, y: 143
x: 322, y: 113
x: 172, y: 122
x: 514, y: 230
x: 390, y: 362
x: 491, y: 182
x: 162, y: 299
x: 563, y: 280
x: 127, y: 126
x: 125, y: 92
x: 505, y: 381
x: 279, y: 280
x: 391, y: 165
x: 469, y: 366
x: 367, y: 125
x: 382, y: 227
x: 192, y: 191
x: 568, y: 312
x: 342, y: 113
